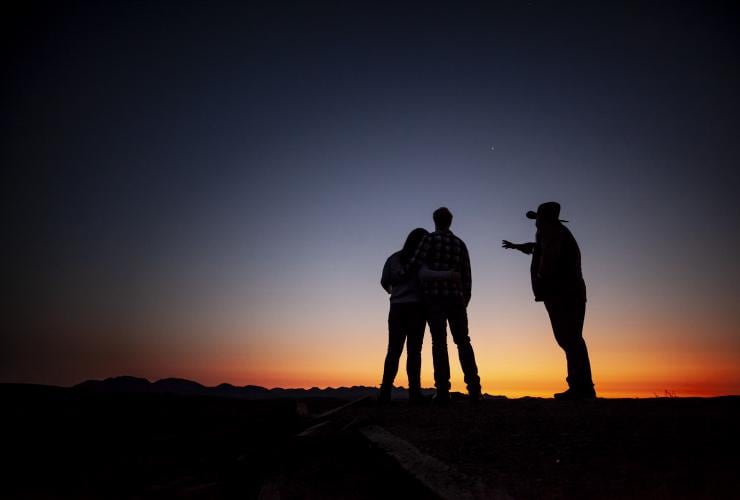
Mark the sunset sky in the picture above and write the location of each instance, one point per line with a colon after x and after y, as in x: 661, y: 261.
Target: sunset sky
x: 209, y: 190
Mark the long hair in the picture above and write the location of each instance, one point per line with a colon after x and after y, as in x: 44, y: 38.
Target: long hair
x: 412, y: 243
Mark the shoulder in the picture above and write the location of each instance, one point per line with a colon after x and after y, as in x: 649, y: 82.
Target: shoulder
x: 458, y: 241
x: 393, y: 258
x: 566, y: 234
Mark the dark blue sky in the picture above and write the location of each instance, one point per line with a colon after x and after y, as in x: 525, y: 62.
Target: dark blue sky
x: 245, y: 168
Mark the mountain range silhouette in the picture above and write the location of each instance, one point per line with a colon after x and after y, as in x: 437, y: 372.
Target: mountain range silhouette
x: 184, y: 387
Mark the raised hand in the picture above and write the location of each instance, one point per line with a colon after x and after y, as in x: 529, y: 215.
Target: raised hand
x: 526, y: 248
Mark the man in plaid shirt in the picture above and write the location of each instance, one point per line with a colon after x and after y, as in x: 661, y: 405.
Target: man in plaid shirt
x: 447, y: 302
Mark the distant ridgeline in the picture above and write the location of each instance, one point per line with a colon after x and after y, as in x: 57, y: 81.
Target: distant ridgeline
x: 185, y: 387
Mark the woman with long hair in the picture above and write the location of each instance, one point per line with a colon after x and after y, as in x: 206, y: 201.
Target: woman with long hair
x: 407, y: 317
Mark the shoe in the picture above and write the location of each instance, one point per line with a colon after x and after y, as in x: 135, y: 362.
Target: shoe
x: 441, y: 398
x: 576, y: 395
x: 384, y: 395
x: 416, y: 397
x: 475, y: 397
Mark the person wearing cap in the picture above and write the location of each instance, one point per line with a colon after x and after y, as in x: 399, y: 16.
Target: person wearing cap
x: 446, y: 302
x: 557, y: 281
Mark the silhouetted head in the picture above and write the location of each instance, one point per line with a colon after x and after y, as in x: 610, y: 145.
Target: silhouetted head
x: 442, y: 219
x: 547, y: 213
x: 412, y: 242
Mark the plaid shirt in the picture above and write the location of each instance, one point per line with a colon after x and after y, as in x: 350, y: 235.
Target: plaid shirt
x: 443, y: 251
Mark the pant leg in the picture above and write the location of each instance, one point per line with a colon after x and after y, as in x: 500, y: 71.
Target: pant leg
x: 458, y: 318
x: 567, y: 318
x: 396, y: 338
x: 436, y: 316
x: 415, y: 323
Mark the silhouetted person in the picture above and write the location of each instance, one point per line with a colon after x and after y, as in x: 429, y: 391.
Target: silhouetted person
x: 558, y: 282
x: 446, y: 301
x: 407, y: 315
x: 406, y: 318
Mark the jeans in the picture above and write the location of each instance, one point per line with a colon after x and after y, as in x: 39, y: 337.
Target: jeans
x: 566, y: 317
x: 441, y: 311
x: 405, y: 321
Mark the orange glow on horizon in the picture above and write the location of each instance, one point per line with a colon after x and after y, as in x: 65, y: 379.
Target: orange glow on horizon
x: 517, y: 356
x: 536, y: 371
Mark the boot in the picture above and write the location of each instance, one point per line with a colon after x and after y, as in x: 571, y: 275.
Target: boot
x: 441, y: 398
x: 575, y: 394
x: 384, y: 394
x: 415, y: 396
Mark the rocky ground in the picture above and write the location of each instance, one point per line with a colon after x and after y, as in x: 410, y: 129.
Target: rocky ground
x: 63, y: 443
x: 621, y: 448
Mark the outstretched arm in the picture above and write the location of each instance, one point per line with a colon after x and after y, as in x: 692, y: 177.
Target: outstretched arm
x: 526, y: 248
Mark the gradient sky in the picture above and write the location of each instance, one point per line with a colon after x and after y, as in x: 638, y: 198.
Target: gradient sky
x: 209, y: 190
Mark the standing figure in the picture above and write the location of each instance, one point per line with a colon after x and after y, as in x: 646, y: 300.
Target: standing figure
x: 447, y: 301
x: 557, y: 281
x: 407, y: 315
x: 406, y: 319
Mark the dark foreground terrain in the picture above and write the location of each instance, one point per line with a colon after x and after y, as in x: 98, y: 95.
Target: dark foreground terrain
x: 76, y: 444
